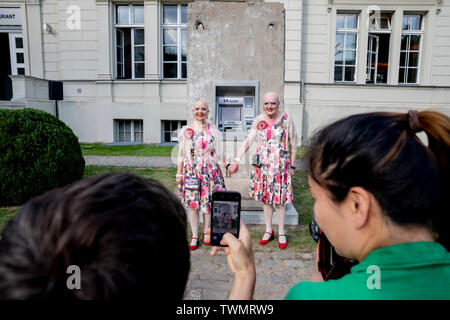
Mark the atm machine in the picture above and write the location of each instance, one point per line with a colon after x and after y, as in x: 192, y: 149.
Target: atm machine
x: 235, y: 114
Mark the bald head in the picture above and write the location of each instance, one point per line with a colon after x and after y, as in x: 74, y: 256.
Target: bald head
x: 271, y: 104
x: 271, y: 96
x: 200, y: 104
x: 200, y: 110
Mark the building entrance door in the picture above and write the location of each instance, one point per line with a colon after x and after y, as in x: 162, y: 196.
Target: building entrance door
x: 5, y: 68
x: 12, y: 61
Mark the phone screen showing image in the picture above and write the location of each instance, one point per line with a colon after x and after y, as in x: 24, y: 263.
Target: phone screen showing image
x: 225, y: 217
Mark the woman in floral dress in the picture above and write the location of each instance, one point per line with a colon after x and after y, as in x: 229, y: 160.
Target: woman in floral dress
x: 274, y: 164
x: 198, y: 170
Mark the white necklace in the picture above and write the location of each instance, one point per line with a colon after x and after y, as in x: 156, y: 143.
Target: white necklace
x: 199, y: 124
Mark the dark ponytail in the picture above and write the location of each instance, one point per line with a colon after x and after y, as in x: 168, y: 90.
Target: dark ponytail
x: 381, y: 153
x: 437, y: 129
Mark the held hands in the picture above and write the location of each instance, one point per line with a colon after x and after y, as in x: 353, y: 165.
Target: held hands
x: 240, y: 260
x: 233, y: 167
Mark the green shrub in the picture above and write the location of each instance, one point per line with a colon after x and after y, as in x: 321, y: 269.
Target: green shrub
x: 38, y: 152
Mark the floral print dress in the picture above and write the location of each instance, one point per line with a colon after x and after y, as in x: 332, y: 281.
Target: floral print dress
x: 200, y: 153
x: 270, y: 181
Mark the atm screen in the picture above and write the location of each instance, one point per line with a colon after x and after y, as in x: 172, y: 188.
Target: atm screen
x: 231, y: 114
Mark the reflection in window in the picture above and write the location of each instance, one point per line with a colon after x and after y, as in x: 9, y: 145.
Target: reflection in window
x: 170, y: 128
x: 129, y: 42
x: 129, y: 130
x: 19, y: 43
x: 410, y: 48
x: 345, y: 47
x: 378, y: 47
x: 174, y: 41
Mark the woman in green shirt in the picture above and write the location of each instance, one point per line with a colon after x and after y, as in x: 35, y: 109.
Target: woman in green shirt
x: 380, y: 198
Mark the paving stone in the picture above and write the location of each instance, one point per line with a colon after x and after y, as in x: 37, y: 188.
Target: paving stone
x: 193, y: 295
x: 294, y: 264
x: 220, y: 260
x: 269, y: 262
x: 261, y: 279
x: 307, y: 256
x: 283, y: 255
x: 276, y: 273
x: 259, y: 255
x: 279, y: 279
x: 211, y: 294
x: 215, y: 276
x: 207, y: 284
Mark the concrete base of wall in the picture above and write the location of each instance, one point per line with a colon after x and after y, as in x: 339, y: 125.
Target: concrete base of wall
x: 257, y: 217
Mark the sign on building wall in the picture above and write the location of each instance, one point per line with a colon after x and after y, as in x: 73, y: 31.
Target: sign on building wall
x: 231, y: 100
x: 10, y: 17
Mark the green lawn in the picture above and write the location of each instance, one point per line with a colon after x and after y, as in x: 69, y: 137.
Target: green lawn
x: 91, y: 149
x: 165, y: 175
x: 6, y: 213
x: 301, y: 152
x: 299, y: 239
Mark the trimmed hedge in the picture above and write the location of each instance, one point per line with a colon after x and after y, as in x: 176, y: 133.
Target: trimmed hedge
x: 38, y: 152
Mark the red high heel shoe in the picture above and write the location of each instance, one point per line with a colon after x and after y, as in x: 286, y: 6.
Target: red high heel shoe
x: 282, y: 245
x: 193, y: 247
x: 264, y: 242
x: 204, y: 242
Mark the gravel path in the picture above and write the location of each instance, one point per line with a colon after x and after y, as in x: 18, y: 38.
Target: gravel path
x: 143, y: 162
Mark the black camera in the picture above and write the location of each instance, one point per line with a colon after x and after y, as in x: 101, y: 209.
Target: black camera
x: 330, y: 264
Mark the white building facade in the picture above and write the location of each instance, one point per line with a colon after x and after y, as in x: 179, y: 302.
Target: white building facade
x: 125, y: 69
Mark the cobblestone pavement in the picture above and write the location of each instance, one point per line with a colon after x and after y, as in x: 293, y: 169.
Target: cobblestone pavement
x: 276, y: 272
x: 142, y: 162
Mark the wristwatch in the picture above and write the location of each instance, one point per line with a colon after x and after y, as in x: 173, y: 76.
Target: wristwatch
x: 292, y: 167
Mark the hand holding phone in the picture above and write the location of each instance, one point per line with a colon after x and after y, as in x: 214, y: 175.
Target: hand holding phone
x: 241, y: 262
x: 226, y: 215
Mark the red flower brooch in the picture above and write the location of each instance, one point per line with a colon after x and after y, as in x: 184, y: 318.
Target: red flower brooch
x: 188, y: 133
x: 262, y: 125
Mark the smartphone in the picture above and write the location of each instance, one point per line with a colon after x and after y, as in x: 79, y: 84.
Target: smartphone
x: 226, y: 215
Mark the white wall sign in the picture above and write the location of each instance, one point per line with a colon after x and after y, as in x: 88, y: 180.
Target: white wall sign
x: 10, y: 17
x: 231, y: 100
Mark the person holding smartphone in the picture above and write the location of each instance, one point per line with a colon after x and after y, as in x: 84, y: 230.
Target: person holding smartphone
x: 241, y: 262
x: 381, y: 198
x: 273, y: 162
x: 198, y: 169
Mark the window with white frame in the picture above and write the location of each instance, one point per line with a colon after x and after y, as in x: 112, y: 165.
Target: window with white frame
x: 378, y: 47
x: 345, y: 47
x: 410, y: 48
x: 129, y: 41
x: 16, y: 54
x: 174, y: 20
x: 169, y: 129
x: 128, y: 130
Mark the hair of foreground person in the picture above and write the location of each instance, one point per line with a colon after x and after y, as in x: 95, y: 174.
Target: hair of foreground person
x: 125, y: 233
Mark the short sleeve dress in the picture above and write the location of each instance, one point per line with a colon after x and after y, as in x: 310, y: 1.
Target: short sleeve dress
x: 270, y: 179
x: 201, y: 153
